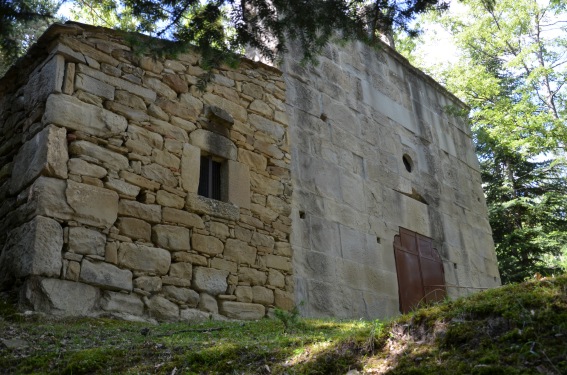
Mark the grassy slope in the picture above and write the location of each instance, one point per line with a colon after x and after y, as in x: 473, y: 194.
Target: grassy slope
x: 517, y: 329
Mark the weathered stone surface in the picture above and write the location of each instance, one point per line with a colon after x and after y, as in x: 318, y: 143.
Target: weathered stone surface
x: 183, y: 295
x: 219, y: 116
x: 121, y: 302
x: 140, y: 181
x: 85, y: 201
x: 105, y: 275
x: 176, y: 83
x: 33, y: 248
x: 276, y: 278
x: 190, y: 166
x: 188, y: 219
x: 238, y: 179
x: 109, y: 158
x: 278, y: 262
x: 259, y: 239
x: 177, y: 109
x: 181, y: 270
x: 94, y: 86
x: 86, y: 241
x: 262, y: 295
x: 61, y: 297
x: 219, y: 230
x: 212, y: 207
x: 255, y: 160
x: 208, y: 303
x: 144, y: 258
x: 119, y: 83
x: 194, y: 316
x: 167, y: 199
x: 214, y: 143
x: 47, y: 198
x: 134, y: 228
x: 252, y: 276
x: 147, y: 212
x: 222, y: 264
x: 80, y: 167
x: 241, y: 310
x: 210, y: 280
x: 273, y: 129
x: 240, y: 252
x: 171, y: 237
x: 243, y: 293
x: 283, y: 300
x: 130, y: 113
x: 130, y: 100
x: 235, y: 110
x: 123, y: 188
x: 159, y: 87
x: 46, y: 154
x: 148, y: 283
x: 206, y: 244
x: 69, y: 112
x: 159, y: 174
x: 162, y: 309
x: 73, y: 271
x: 170, y: 280
x: 44, y: 82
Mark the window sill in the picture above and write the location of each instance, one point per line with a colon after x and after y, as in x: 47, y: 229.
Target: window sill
x: 203, y: 205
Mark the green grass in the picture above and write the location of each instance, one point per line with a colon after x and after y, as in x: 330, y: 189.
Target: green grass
x: 517, y: 329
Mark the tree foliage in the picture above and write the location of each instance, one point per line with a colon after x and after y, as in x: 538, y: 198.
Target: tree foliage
x: 229, y: 26
x: 511, y: 71
x: 21, y: 23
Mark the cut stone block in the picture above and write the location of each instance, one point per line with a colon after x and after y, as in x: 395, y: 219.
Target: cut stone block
x: 33, y: 248
x: 209, y: 280
x: 241, y: 310
x: 144, y: 258
x: 61, y: 297
x: 45, y: 154
x: 121, y: 302
x: 110, y: 159
x: 207, y: 244
x: 162, y: 309
x: 70, y: 112
x: 44, y: 82
x: 135, y: 228
x: 238, y: 184
x: 86, y: 241
x: 214, y: 143
x: 147, y: 212
x: 171, y: 237
x: 240, y: 252
x: 183, y: 295
x: 86, y: 201
x: 105, y: 275
x: 190, y: 168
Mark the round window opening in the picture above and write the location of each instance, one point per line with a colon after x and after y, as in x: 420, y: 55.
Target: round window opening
x: 408, y: 163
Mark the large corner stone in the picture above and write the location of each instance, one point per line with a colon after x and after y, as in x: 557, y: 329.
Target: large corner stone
x: 209, y: 280
x: 70, y: 112
x: 144, y: 258
x: 93, y: 205
x: 43, y: 82
x: 242, y: 310
x: 44, y: 154
x: 46, y: 197
x: 61, y: 297
x: 33, y: 248
x: 105, y: 275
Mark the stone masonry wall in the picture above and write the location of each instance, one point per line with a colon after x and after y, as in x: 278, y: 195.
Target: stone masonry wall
x: 99, y: 169
x: 353, y: 119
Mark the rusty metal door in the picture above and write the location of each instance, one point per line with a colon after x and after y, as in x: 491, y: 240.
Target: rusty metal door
x: 421, y: 278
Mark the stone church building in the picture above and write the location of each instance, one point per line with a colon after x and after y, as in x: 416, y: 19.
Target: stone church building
x: 350, y: 188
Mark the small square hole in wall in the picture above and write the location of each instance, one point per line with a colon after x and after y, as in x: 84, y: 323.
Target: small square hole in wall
x: 455, y: 265
x: 302, y: 214
x: 378, y: 240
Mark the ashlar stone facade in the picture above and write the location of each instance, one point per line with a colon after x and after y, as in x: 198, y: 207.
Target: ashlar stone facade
x: 101, y: 160
x: 125, y: 190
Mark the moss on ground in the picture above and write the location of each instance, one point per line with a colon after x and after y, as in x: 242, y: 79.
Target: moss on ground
x: 516, y: 329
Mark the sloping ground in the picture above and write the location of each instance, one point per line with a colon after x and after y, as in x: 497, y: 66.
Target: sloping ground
x: 517, y: 329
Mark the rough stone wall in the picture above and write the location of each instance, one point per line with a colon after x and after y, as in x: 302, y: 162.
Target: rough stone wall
x: 99, y: 169
x: 353, y: 118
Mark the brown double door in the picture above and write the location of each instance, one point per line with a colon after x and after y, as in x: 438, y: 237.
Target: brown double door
x: 419, y: 267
